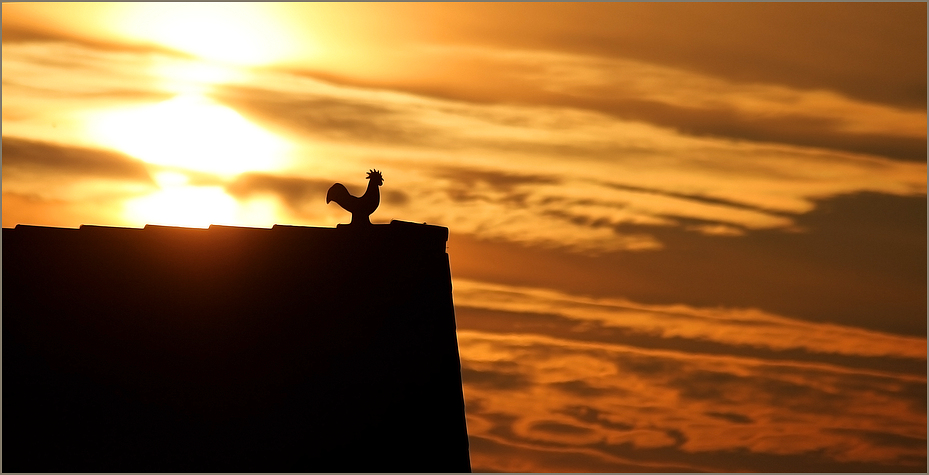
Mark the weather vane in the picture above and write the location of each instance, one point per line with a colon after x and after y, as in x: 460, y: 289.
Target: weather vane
x: 360, y: 207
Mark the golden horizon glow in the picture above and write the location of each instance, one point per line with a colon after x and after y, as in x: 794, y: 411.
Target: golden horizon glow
x: 180, y: 203
x: 186, y: 206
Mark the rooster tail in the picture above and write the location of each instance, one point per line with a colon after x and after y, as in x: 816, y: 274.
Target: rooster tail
x: 338, y: 193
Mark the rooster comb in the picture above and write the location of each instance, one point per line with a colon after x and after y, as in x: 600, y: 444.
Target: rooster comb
x: 373, y: 172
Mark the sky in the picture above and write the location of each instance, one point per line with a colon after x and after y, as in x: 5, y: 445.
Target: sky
x: 683, y: 237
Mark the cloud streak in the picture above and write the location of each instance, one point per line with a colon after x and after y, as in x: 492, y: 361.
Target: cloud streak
x: 23, y: 156
x: 552, y: 175
x: 734, y: 327
x: 704, y: 413
x: 705, y: 105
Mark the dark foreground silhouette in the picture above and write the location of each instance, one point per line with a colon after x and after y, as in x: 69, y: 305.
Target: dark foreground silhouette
x: 230, y: 350
x: 360, y: 207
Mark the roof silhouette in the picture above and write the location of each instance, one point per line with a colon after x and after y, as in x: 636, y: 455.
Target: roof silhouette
x: 231, y: 349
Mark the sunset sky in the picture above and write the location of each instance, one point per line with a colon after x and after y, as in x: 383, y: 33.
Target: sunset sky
x: 683, y: 237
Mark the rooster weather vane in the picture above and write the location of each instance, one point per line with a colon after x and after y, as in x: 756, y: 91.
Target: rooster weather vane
x: 362, y: 206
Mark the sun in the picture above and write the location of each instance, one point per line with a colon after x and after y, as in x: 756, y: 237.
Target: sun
x: 196, y: 207
x: 179, y: 203
x: 186, y: 136
x: 190, y: 132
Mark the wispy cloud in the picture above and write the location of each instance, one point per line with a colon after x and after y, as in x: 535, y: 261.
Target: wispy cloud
x: 627, y: 405
x: 548, y: 174
x: 624, y: 85
x: 671, y: 386
x: 21, y: 155
x: 42, y: 176
x: 563, y: 168
x: 735, y: 327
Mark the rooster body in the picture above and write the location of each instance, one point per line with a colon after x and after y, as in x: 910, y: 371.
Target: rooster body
x: 362, y: 206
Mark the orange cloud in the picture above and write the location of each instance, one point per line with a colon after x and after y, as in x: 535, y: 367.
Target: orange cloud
x: 736, y: 327
x: 625, y: 405
x: 593, y: 173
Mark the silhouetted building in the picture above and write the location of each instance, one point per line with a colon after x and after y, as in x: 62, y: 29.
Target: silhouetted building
x: 230, y: 349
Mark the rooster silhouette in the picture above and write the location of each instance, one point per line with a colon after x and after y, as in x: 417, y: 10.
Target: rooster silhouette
x: 360, y: 207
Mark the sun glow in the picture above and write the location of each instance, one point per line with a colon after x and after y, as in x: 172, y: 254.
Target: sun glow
x: 183, y: 137
x: 193, y: 133
x: 239, y: 33
x: 179, y: 203
x: 190, y: 206
x: 196, y: 77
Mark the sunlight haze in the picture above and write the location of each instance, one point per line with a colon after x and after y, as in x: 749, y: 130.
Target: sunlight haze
x: 683, y: 237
